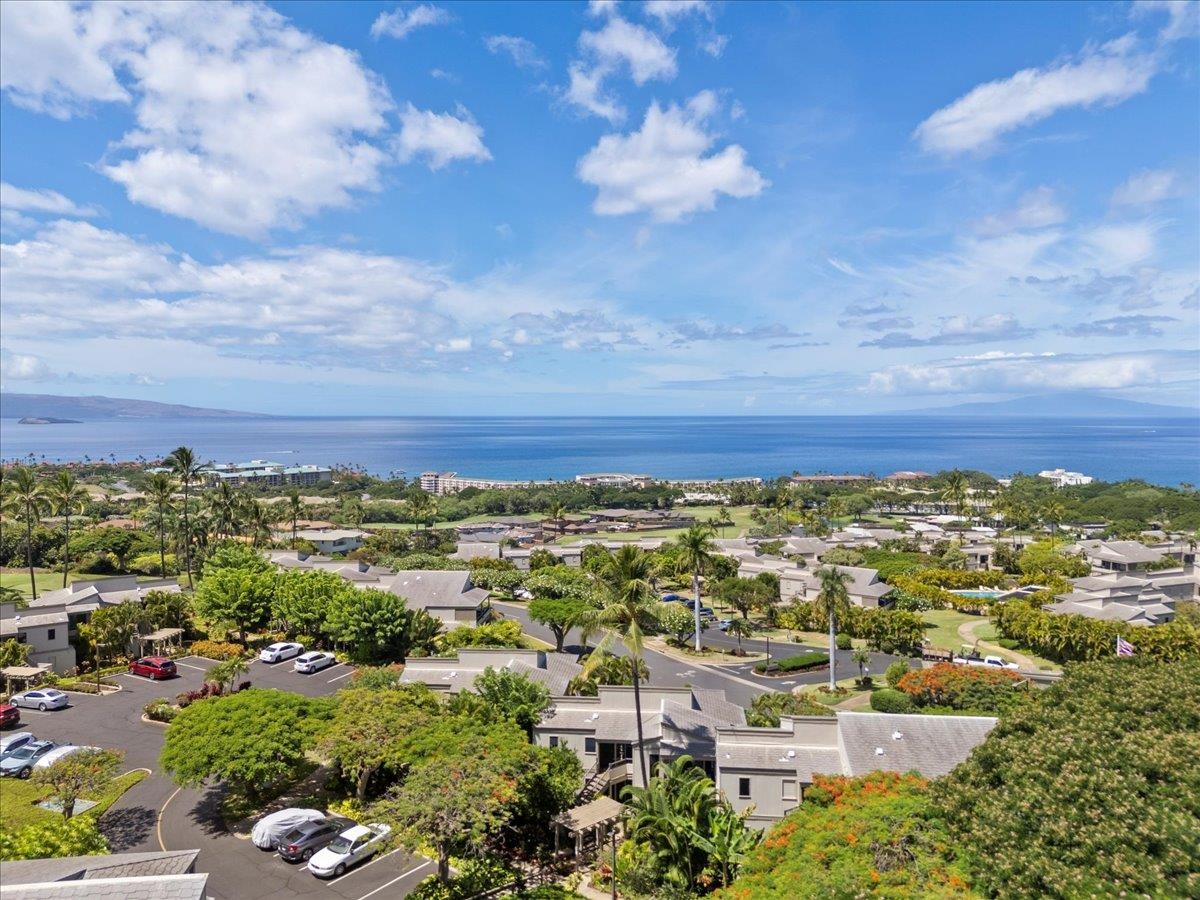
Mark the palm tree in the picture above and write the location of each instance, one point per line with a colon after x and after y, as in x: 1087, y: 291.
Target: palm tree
x: 630, y: 608
x: 159, y: 489
x: 224, y: 504
x: 259, y: 520
x: 722, y: 520
x: 555, y: 514
x: 834, y: 601
x: 1053, y: 513
x: 862, y: 656
x: 65, y: 496
x: 353, y: 511
x: 186, y: 468
x: 295, y: 510
x: 955, y: 492
x: 26, y: 500
x: 694, y: 553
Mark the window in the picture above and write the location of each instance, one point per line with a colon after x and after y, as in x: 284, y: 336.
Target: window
x: 789, y: 789
x: 744, y: 788
x: 49, y: 634
x: 21, y: 637
x: 553, y: 741
x: 589, y: 745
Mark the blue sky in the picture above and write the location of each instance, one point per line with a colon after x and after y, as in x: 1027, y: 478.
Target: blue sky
x: 678, y: 207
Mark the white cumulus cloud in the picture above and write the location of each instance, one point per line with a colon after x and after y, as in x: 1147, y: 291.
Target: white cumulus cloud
x: 1105, y: 75
x: 401, y: 23
x: 439, y: 138
x: 619, y: 45
x: 1147, y: 188
x: 25, y: 367
x: 43, y: 201
x: 666, y: 168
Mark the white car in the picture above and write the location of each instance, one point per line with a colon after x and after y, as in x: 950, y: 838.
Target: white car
x: 41, y: 698
x: 280, y: 651
x: 348, y: 849
x: 58, y: 753
x: 314, y: 662
x: 270, y: 830
x: 13, y: 742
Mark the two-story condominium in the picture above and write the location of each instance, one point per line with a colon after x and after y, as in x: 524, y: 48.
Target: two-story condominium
x: 265, y: 472
x: 765, y: 771
x: 448, y: 596
x: 332, y: 540
x: 453, y: 674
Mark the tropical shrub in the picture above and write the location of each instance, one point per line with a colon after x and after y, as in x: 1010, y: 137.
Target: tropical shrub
x: 505, y: 633
x: 798, y: 663
x: 962, y: 687
x: 889, y: 700
x: 896, y: 671
x: 766, y: 709
x: 1042, y: 560
x: 160, y: 709
x: 856, y: 837
x: 843, y: 641
x: 1069, y: 637
x: 1094, y: 791
x: 219, y: 650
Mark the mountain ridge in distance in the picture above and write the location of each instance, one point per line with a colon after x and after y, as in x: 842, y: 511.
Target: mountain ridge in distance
x: 1067, y: 404
x: 55, y: 406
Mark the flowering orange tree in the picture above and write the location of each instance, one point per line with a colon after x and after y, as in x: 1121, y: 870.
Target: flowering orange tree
x: 963, y: 687
x: 855, y: 837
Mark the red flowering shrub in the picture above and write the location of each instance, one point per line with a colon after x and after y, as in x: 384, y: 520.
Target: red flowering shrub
x: 962, y: 687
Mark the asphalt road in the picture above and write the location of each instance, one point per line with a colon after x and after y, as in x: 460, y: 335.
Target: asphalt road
x: 156, y: 815
x: 740, y: 683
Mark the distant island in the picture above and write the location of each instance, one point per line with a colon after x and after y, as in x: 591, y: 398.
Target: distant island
x: 1068, y: 404
x: 54, y: 409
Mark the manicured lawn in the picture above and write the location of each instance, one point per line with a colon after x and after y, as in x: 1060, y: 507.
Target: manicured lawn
x: 18, y: 800
x: 46, y: 581
x: 945, y: 622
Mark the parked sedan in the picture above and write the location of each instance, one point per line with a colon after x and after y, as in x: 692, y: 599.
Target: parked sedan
x: 314, y: 662
x: 155, y: 667
x: 10, y: 716
x: 280, y: 651
x: 299, y: 844
x: 270, y: 829
x: 42, y: 698
x: 20, y: 762
x: 15, y: 742
x: 351, y: 847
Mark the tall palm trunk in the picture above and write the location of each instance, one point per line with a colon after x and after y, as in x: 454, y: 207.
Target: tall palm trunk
x: 67, y: 546
x: 162, y: 542
x: 637, y: 711
x: 696, y: 609
x: 832, y: 654
x: 187, y: 536
x: 29, y: 550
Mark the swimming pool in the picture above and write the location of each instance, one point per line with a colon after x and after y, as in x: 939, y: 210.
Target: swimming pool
x: 979, y: 595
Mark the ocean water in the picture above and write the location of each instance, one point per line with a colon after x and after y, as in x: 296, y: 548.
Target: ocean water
x: 1163, y: 451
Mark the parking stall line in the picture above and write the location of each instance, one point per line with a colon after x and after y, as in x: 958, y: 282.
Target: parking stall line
x: 394, y: 880
x: 340, y: 677
x: 190, y: 666
x: 367, y: 864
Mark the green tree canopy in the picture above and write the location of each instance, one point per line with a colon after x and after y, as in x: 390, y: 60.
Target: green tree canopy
x: 362, y: 739
x: 235, y: 594
x: 1093, y: 791
x: 744, y: 594
x: 76, y: 774
x: 235, y: 555
x: 251, y: 740
x: 559, y: 615
x: 52, y: 839
x: 302, y: 600
x: 373, y: 623
x: 501, y: 694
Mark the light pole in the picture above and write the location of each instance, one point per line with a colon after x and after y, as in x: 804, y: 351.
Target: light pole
x: 613, y: 836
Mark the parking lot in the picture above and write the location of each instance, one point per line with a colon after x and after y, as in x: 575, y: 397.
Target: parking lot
x: 156, y: 815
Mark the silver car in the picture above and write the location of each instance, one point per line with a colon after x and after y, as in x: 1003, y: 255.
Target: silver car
x: 40, y: 698
x: 14, y: 742
x: 22, y: 760
x: 348, y: 849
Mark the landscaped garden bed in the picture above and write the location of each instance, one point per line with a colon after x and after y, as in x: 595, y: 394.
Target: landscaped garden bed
x: 801, y: 662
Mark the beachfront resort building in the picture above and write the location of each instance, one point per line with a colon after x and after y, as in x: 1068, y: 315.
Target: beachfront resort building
x: 1063, y: 478
x: 265, y: 472
x: 614, y: 479
x: 440, y: 483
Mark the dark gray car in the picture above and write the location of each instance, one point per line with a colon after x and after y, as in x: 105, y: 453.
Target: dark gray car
x: 307, y: 838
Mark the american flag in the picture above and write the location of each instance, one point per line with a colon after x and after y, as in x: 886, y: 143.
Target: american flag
x: 1124, y: 648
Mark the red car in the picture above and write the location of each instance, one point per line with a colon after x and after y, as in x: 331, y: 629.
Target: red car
x: 155, y: 667
x: 9, y: 715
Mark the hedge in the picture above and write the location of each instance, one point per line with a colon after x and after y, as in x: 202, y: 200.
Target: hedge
x: 218, y: 650
x: 797, y: 663
x: 889, y: 700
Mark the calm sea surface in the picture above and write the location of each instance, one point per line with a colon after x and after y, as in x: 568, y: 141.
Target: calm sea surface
x: 1165, y: 451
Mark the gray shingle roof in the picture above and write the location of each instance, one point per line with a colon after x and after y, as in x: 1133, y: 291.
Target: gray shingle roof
x: 165, y: 887
x: 113, y: 865
x: 932, y: 745
x: 805, y: 762
x: 437, y: 589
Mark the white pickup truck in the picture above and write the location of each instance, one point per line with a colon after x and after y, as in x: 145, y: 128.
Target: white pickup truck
x: 988, y: 662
